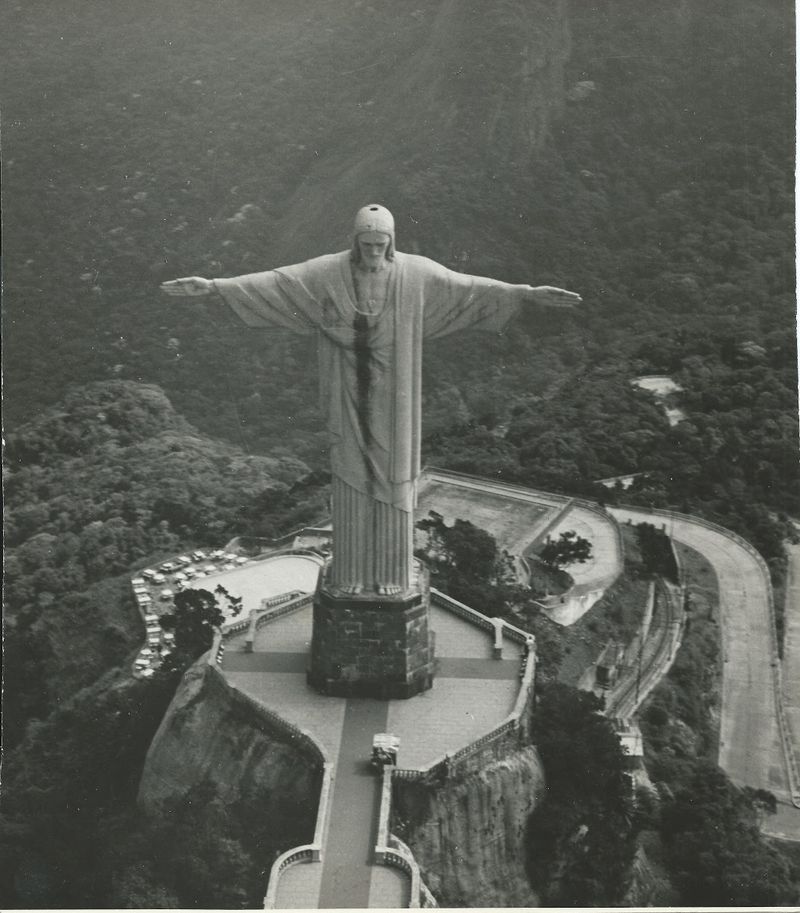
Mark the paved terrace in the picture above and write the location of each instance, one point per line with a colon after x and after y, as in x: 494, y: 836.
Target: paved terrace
x: 519, y: 518
x: 472, y: 694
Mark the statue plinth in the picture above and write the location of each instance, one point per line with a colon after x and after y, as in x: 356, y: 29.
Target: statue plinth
x: 371, y: 645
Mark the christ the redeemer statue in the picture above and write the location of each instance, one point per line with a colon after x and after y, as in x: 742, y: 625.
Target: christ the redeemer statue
x: 370, y: 308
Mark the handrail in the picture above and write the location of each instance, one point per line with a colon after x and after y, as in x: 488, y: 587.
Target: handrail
x: 311, y: 852
x: 290, y: 857
x: 242, y: 541
x: 459, y: 608
x: 548, y: 496
x: 383, y: 812
x: 390, y: 850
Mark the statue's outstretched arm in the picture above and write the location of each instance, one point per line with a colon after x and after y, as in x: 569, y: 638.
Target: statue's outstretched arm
x: 192, y: 286
x: 457, y: 301
x: 549, y: 296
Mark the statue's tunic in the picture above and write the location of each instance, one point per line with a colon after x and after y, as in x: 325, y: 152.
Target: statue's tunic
x: 370, y: 384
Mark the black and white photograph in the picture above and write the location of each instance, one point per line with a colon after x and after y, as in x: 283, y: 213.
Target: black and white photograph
x: 401, y: 465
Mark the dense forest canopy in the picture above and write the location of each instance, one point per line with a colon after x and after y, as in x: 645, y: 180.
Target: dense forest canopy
x: 657, y: 181
x: 641, y: 154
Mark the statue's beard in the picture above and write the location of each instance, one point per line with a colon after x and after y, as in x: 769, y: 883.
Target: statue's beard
x: 382, y: 264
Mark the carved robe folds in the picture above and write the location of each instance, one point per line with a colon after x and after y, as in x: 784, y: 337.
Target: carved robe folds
x: 370, y: 387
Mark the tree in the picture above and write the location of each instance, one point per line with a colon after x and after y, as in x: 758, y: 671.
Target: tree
x: 655, y: 547
x: 714, y: 846
x: 466, y: 563
x: 569, y: 548
x: 580, y: 837
x: 196, y: 616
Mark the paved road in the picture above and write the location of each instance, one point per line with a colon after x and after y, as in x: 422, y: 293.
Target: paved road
x: 750, y: 749
x: 791, y: 647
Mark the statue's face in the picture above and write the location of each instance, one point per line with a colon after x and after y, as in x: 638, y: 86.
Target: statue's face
x: 372, y: 246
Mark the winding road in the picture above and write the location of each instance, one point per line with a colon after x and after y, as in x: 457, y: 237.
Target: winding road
x: 751, y: 750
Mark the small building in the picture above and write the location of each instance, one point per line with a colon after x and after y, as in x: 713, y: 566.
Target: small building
x: 608, y: 663
x: 631, y: 741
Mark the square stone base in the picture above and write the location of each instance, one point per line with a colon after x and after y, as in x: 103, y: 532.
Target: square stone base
x: 370, y: 645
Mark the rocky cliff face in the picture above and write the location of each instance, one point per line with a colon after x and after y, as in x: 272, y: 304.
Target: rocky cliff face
x: 211, y: 733
x: 453, y: 102
x: 468, y: 835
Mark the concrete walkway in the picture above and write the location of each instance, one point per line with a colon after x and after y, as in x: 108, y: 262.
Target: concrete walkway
x: 472, y: 693
x: 514, y: 516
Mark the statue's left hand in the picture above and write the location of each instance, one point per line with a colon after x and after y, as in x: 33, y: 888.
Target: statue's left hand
x: 188, y: 287
x: 548, y: 296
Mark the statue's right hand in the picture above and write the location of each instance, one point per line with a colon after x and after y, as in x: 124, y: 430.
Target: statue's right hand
x: 193, y: 285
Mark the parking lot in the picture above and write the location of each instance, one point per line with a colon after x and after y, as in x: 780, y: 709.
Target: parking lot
x: 252, y: 580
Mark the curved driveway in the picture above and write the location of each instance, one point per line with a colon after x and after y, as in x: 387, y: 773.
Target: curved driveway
x: 750, y: 749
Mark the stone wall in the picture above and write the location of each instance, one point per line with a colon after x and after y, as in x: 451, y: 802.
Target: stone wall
x: 212, y: 733
x: 371, y: 646
x: 468, y: 834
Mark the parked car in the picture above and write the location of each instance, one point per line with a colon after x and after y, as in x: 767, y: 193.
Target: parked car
x: 167, y: 567
x: 184, y: 560
x: 143, y: 598
x: 241, y: 560
x: 151, y: 618
x: 159, y: 579
x: 198, y: 556
x: 138, y: 581
x: 216, y: 554
x: 149, y: 573
x: 229, y: 556
x: 166, y: 595
x: 210, y: 569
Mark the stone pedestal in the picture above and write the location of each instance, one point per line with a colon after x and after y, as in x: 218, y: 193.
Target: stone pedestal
x: 370, y: 645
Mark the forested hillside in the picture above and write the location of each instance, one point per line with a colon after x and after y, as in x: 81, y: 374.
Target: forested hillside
x: 643, y: 156
x: 110, y: 480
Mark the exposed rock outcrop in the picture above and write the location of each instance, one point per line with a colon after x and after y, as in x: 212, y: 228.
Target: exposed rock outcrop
x: 468, y: 834
x: 488, y: 78
x: 212, y: 733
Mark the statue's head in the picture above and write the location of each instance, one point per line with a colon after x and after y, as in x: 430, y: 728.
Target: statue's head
x: 373, y: 235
